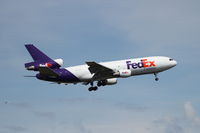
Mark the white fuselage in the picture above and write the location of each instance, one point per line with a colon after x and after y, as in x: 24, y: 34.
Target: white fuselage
x: 100, y: 74
x: 137, y: 66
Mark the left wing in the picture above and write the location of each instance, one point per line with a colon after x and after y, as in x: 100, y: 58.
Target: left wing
x: 100, y: 72
x: 47, y: 71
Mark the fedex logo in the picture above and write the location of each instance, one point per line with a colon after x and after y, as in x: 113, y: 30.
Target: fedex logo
x: 48, y: 65
x: 143, y: 64
x: 124, y: 72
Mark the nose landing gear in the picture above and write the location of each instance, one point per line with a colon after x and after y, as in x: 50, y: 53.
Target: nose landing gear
x: 156, y: 76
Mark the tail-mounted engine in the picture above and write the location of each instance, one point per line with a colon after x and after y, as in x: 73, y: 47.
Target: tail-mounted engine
x: 34, y: 66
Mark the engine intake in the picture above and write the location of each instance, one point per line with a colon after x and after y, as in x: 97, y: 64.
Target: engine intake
x: 60, y: 62
x: 34, y: 66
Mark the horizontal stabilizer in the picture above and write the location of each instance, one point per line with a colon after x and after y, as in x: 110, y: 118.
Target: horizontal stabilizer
x: 29, y: 76
x: 46, y: 71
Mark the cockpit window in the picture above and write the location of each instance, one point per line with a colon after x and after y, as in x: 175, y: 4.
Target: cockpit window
x: 170, y: 59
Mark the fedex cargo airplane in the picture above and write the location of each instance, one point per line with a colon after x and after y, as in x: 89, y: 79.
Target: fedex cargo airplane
x: 93, y: 73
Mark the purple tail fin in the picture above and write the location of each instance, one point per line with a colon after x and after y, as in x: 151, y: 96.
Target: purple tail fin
x: 36, y: 54
x: 39, y: 59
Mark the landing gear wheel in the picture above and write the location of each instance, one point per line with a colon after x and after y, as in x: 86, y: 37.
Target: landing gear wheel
x: 103, y: 83
x: 93, y: 88
x: 99, y: 84
x: 90, y: 89
x: 156, y: 79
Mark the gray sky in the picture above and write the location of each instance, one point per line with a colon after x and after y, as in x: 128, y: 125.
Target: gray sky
x: 94, y: 30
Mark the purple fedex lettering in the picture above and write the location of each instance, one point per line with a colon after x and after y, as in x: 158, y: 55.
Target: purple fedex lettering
x: 134, y: 65
x: 140, y: 65
x: 129, y: 64
x: 143, y: 64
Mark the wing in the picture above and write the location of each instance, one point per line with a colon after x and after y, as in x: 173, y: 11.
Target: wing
x: 100, y: 72
x: 47, y: 71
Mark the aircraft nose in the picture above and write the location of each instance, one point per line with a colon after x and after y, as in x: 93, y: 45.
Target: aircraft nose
x: 174, y: 63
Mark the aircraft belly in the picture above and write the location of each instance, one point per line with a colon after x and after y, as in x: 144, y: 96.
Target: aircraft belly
x: 82, y: 74
x: 137, y: 71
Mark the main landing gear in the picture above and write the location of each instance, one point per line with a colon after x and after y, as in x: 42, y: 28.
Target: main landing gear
x: 156, y: 76
x: 99, y: 83
x: 92, y: 88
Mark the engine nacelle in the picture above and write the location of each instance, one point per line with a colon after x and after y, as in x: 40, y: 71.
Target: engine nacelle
x: 34, y: 66
x: 111, y: 81
x: 124, y: 73
x: 59, y: 61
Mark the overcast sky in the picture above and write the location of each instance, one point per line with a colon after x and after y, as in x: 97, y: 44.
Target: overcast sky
x: 100, y: 30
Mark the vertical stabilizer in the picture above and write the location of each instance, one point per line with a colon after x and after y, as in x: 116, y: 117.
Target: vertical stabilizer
x: 40, y: 59
x: 36, y: 54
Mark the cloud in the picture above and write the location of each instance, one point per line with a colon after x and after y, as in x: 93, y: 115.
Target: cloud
x: 112, y: 118
x: 81, y: 100
x: 144, y: 27
x: 190, y: 113
x: 72, y: 127
x: 159, y: 27
x: 179, y: 124
x: 131, y: 107
x: 22, y: 105
x: 189, y: 110
x: 82, y: 128
x: 30, y: 108
x: 15, y: 128
x: 47, y: 115
x: 168, y: 124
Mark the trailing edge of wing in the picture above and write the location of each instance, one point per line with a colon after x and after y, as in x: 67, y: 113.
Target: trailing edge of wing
x: 47, y: 71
